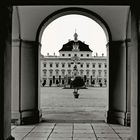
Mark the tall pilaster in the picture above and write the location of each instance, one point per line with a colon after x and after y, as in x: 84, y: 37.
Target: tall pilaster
x: 5, y: 72
x: 29, y: 107
x: 25, y: 86
x: 135, y: 72
x: 117, y: 112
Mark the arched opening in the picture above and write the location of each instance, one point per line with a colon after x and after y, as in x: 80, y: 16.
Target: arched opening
x: 94, y: 81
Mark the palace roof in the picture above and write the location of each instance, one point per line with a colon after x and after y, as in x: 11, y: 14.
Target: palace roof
x: 81, y: 46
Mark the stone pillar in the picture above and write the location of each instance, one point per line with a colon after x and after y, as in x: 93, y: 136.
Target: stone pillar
x: 15, y: 81
x: 135, y: 73
x: 26, y: 81
x: 118, y: 111
x: 128, y: 83
x: 29, y: 83
x: 5, y: 72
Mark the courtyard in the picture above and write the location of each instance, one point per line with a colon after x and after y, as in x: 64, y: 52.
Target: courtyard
x: 59, y: 105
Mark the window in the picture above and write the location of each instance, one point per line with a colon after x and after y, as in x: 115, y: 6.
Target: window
x: 44, y: 64
x: 99, y: 65
x: 44, y: 72
x: 63, y: 54
x: 93, y: 65
x: 81, y: 55
x: 87, y: 65
x: 57, y: 65
x: 63, y: 65
x: 81, y: 65
x: 51, y: 65
x: 99, y: 72
x: 105, y: 82
x: 51, y: 71
x: 75, y: 54
x: 69, y: 72
x: 57, y: 73
x: 69, y: 65
x: 87, y: 72
x: 105, y: 65
x: 81, y: 72
x: 93, y: 73
x: 63, y: 72
x: 105, y: 73
x: 69, y: 54
x: 87, y: 55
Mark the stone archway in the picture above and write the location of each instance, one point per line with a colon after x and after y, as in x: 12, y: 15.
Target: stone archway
x: 117, y: 48
x: 77, y: 11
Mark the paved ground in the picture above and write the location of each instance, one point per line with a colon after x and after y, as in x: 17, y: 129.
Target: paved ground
x: 59, y: 105
x: 71, y: 131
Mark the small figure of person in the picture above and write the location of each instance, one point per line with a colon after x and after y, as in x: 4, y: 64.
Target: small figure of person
x: 50, y: 84
x: 44, y: 83
x: 100, y: 84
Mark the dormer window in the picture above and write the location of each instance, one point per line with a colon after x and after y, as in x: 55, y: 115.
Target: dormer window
x: 75, y: 47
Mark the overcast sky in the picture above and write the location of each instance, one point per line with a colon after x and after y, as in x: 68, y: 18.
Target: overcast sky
x: 62, y: 29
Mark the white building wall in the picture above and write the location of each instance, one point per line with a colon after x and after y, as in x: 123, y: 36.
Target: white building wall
x: 99, y: 75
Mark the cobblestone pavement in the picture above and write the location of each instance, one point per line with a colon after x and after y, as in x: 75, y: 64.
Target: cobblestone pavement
x: 71, y: 131
x: 59, y: 104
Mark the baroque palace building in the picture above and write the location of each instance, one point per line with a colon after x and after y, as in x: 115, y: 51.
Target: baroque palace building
x: 74, y: 56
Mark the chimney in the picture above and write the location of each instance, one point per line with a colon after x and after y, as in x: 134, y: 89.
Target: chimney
x: 102, y: 54
x: 47, y: 54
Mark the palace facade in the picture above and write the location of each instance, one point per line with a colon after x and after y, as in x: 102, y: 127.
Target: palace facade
x: 75, y: 59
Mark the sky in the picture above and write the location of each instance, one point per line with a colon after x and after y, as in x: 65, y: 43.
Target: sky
x: 63, y: 28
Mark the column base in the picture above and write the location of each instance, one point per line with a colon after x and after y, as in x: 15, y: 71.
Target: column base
x: 15, y: 118
x: 10, y: 138
x: 115, y: 117
x: 31, y: 117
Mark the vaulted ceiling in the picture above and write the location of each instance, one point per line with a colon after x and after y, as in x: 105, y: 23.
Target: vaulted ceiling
x: 27, y: 19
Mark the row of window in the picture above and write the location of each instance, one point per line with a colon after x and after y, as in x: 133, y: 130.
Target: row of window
x: 69, y: 65
x: 69, y: 55
x: 81, y: 72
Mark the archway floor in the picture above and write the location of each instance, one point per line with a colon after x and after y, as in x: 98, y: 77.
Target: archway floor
x: 59, y: 105
x: 71, y: 131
